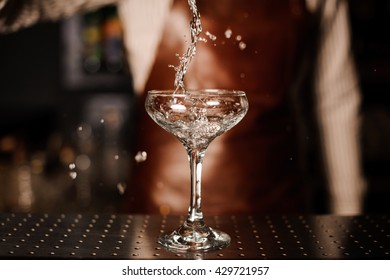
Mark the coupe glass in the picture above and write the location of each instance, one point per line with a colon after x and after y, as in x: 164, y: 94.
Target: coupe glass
x: 196, y: 117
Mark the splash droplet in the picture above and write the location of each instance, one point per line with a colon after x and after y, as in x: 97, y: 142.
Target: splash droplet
x: 121, y: 187
x: 242, y: 46
x: 228, y: 33
x: 141, y: 156
x: 73, y: 174
x: 211, y: 36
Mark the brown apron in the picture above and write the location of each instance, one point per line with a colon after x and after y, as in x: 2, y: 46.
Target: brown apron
x: 254, y: 168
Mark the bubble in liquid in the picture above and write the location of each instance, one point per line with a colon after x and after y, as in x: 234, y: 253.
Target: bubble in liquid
x: 238, y: 38
x: 72, y: 166
x: 141, y: 156
x: 116, y: 157
x: 228, y: 33
x: 102, y: 121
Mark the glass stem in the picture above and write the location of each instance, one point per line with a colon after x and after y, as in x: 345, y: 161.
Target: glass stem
x: 195, y: 158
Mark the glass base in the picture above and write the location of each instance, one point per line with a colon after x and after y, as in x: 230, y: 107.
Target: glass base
x: 192, y: 237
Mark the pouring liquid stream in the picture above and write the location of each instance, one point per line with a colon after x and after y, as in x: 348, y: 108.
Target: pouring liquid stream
x: 186, y: 58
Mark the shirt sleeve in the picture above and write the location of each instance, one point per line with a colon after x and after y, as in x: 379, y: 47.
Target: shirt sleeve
x: 17, y: 14
x: 338, y: 103
x: 143, y: 24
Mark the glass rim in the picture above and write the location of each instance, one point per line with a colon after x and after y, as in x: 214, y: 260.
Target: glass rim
x: 197, y: 91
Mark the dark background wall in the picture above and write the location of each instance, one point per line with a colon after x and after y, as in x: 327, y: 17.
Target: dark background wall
x: 29, y: 80
x: 49, y: 120
x: 370, y: 22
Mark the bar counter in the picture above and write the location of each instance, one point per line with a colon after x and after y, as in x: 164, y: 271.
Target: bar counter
x: 92, y: 236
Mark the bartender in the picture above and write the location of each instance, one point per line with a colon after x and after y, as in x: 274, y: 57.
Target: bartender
x: 292, y: 58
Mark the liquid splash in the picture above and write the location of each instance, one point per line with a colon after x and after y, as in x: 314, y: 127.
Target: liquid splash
x: 141, y: 156
x: 186, y: 58
x: 211, y: 36
x: 121, y: 187
x: 228, y: 33
x: 72, y: 172
x: 242, y: 45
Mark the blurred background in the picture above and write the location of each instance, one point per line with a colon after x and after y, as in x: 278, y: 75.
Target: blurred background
x: 370, y: 20
x: 67, y: 110
x: 65, y: 115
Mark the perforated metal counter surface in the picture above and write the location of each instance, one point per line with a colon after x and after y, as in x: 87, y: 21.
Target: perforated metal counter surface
x: 89, y: 236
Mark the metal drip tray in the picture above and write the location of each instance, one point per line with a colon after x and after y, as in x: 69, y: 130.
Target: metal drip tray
x: 89, y: 236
